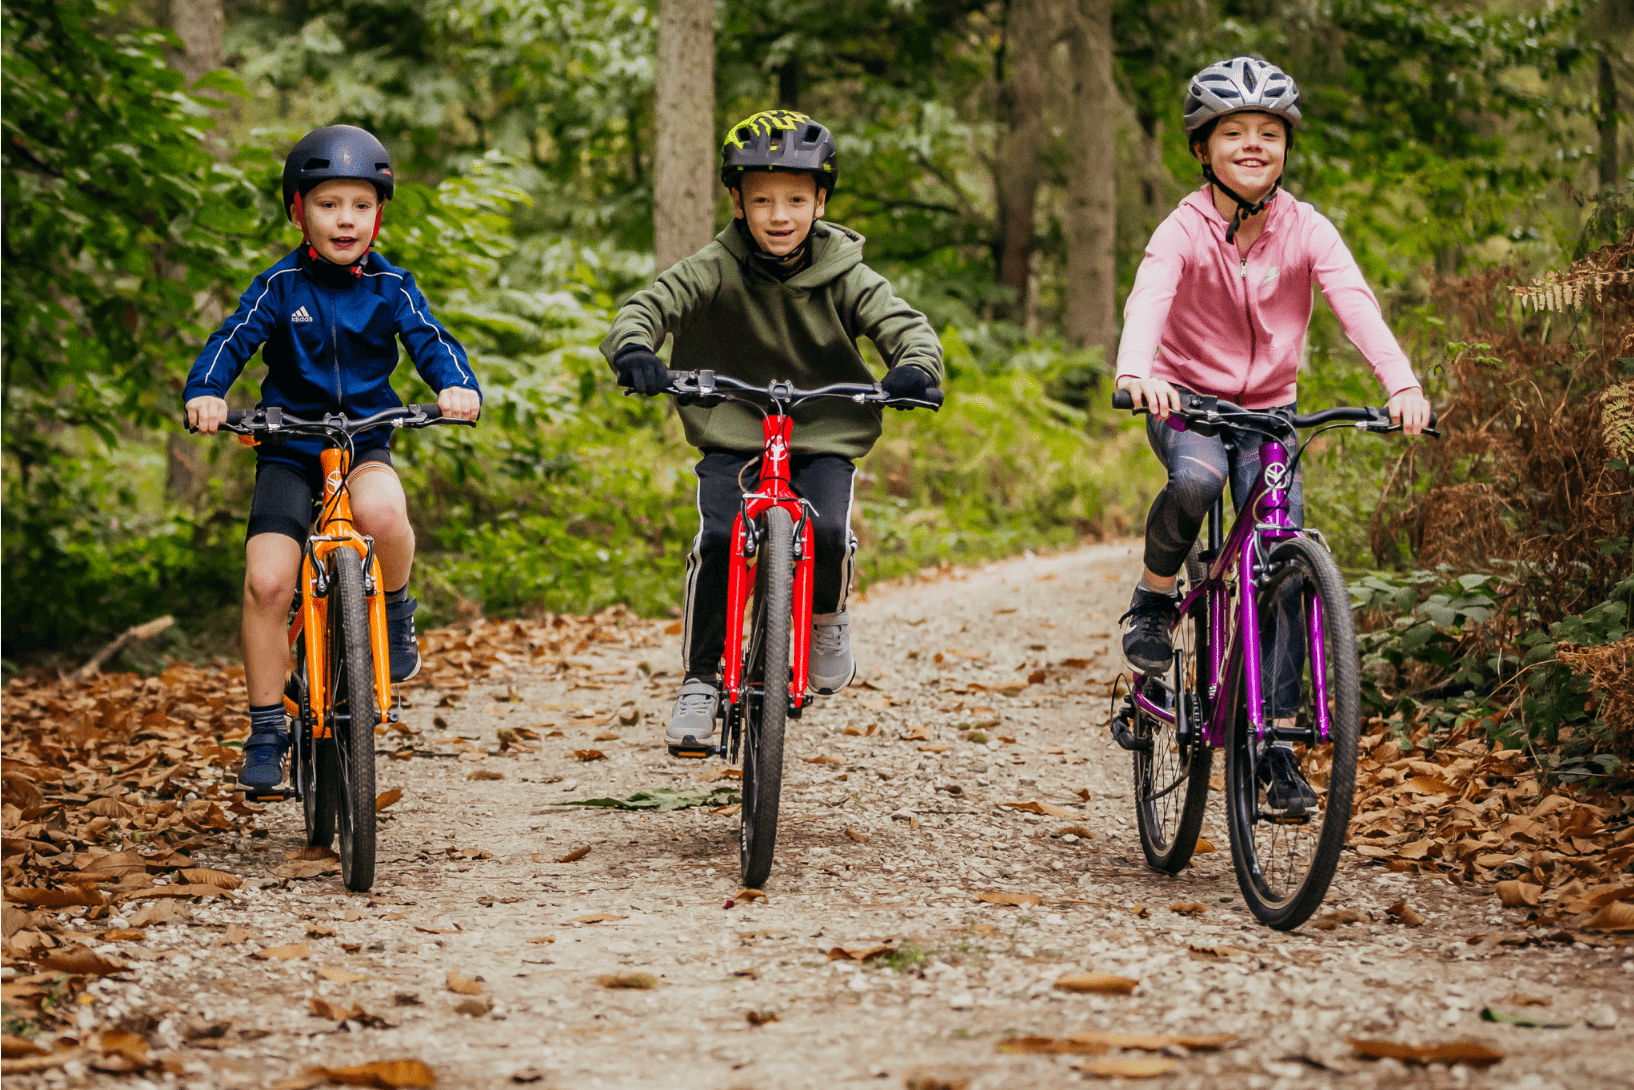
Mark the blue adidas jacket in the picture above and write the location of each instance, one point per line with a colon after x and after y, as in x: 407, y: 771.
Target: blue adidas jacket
x: 330, y: 344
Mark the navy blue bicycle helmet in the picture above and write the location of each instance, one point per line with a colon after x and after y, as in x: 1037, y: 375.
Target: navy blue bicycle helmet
x: 337, y: 151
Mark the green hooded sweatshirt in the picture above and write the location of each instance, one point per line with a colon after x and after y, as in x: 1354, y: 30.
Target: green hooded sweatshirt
x: 730, y: 316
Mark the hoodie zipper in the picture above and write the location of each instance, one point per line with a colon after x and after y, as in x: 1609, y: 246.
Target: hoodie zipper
x: 334, y: 351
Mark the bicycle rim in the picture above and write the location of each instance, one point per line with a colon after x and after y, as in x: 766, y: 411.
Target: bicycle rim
x: 1286, y: 860
x: 1171, y: 778
x: 352, y: 675
x: 764, y: 723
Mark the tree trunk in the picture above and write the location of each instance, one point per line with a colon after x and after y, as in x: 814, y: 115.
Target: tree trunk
x: 788, y: 84
x: 198, y: 24
x: 684, y: 155
x: 1091, y: 204
x: 1608, y: 121
x: 1017, y: 170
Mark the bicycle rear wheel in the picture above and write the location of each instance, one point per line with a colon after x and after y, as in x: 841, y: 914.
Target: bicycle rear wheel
x: 765, y: 715
x: 352, y: 689
x: 1171, y: 775
x: 1285, y: 856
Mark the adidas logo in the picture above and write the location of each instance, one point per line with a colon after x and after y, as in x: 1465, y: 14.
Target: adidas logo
x: 300, y: 315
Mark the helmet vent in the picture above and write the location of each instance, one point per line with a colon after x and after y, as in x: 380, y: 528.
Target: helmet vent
x: 316, y: 164
x: 813, y: 133
x: 1248, y: 78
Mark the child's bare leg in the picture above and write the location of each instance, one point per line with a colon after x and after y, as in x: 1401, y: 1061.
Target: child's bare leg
x: 272, y: 564
x: 381, y: 511
x: 1160, y: 582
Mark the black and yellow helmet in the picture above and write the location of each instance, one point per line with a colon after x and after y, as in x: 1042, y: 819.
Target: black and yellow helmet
x: 780, y: 140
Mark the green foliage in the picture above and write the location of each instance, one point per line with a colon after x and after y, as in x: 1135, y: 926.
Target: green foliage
x: 664, y: 799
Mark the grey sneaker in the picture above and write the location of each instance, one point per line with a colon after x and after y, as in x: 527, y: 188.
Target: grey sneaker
x: 832, y: 667
x: 694, y: 716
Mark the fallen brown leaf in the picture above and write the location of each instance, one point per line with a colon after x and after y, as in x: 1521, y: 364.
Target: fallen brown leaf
x: 473, y: 1008
x: 761, y: 1018
x: 1049, y: 809
x: 590, y: 755
x: 283, y: 953
x: 1127, y: 1067
x: 80, y: 960
x: 123, y: 934
x: 999, y: 898
x: 1154, y: 1042
x: 852, y: 834
x: 1616, y: 916
x: 208, y: 877
x: 1330, y: 920
x: 640, y: 981
x: 597, y: 917
x: 1188, y: 908
x: 1473, y: 1053
x: 859, y: 953
x: 1405, y: 913
x: 306, y: 868
x: 1515, y: 894
x: 484, y: 774
x: 1050, y: 1046
x: 464, y: 985
x: 576, y: 854
x: 539, y: 939
x: 385, y: 1074
x: 341, y: 976
x: 1204, y: 847
x: 827, y: 759
x: 1096, y: 983
x: 749, y: 895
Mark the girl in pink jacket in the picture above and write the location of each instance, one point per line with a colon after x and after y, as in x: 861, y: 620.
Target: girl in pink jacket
x: 1220, y: 307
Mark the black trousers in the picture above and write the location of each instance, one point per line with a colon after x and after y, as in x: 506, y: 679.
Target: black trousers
x: 823, y: 480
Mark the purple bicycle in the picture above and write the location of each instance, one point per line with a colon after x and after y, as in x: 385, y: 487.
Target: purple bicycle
x: 1265, y: 667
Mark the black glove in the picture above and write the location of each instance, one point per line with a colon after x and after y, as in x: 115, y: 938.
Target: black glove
x: 641, y: 371
x: 907, y: 380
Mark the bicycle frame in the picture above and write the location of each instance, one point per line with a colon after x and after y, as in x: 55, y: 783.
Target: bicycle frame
x: 335, y: 529
x: 1264, y: 518
x: 775, y: 491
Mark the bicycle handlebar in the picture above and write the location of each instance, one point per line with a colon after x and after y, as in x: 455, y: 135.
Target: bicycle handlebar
x: 1212, y: 410
x: 707, y: 384
x: 273, y: 419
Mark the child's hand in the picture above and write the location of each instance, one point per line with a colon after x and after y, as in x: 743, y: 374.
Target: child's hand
x: 1154, y: 393
x: 207, y: 413
x: 1411, y: 410
x: 460, y: 402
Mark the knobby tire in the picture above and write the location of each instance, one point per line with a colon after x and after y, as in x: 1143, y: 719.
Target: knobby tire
x: 765, y: 719
x: 1282, y: 893
x: 319, y: 777
x: 352, y: 659
x: 1169, y: 826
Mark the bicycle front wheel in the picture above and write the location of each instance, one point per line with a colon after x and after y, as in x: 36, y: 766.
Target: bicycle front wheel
x: 767, y: 669
x: 352, y: 745
x: 1288, y: 812
x: 1171, y: 774
x: 318, y: 777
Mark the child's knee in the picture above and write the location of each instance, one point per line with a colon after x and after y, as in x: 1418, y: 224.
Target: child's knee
x: 1197, y: 488
x: 269, y: 585
x: 381, y: 512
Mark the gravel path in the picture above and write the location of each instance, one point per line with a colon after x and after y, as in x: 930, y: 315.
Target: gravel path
x: 893, y: 826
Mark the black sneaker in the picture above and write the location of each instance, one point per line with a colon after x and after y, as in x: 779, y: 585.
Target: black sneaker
x: 405, y: 652
x: 1286, y: 789
x: 1148, y: 640
x: 263, y: 767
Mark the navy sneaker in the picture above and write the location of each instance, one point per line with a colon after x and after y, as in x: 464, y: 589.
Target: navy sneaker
x: 1148, y: 640
x: 263, y: 767
x: 1286, y: 788
x: 405, y: 651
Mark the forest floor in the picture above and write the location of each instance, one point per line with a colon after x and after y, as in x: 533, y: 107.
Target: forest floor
x: 637, y: 965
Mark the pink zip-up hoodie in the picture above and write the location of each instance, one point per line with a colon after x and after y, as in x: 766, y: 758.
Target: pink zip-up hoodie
x: 1204, y: 317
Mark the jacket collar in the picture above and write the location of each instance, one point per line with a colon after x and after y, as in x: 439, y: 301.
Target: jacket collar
x: 1202, y: 201
x: 326, y: 272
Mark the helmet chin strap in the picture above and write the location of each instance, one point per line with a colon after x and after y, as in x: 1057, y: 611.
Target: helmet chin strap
x: 312, y: 251
x: 1245, y: 208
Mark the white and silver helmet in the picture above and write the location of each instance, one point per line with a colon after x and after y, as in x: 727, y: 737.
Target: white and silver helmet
x: 1238, y: 84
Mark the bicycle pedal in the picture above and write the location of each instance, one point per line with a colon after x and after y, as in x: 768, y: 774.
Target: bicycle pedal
x: 274, y: 794
x: 696, y: 752
x: 1127, y: 738
x: 1286, y: 819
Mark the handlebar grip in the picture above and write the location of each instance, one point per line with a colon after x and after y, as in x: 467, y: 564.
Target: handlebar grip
x: 238, y: 416
x: 1123, y: 399
x: 934, y: 395
x: 431, y: 411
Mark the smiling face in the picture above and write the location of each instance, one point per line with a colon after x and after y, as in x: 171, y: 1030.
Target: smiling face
x: 340, y: 218
x: 779, y: 208
x: 1247, y: 151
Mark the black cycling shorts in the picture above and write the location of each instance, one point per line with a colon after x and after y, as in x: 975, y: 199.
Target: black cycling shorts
x: 286, y: 495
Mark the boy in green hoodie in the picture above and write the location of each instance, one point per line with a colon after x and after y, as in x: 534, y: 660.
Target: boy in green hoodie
x: 778, y: 294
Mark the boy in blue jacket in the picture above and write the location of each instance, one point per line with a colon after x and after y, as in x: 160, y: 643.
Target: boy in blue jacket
x: 328, y: 315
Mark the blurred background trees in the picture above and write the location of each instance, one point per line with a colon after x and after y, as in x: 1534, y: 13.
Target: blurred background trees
x: 1006, y: 159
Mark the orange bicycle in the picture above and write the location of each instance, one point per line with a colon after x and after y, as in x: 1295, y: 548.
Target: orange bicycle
x: 340, y: 690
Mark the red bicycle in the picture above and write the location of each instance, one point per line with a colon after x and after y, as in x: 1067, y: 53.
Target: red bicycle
x: 772, y: 556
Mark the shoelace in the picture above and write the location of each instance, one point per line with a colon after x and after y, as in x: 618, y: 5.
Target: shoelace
x: 828, y: 638
x: 1150, y: 618
x: 693, y: 702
